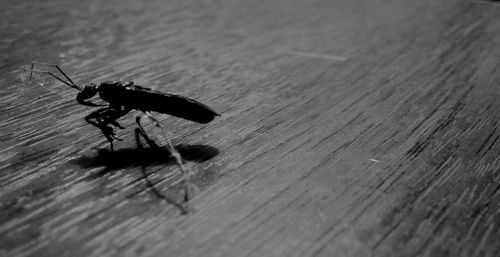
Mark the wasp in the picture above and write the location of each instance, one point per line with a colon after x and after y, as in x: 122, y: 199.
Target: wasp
x: 125, y: 96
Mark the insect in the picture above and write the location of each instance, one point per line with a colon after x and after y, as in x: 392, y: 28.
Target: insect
x: 123, y: 97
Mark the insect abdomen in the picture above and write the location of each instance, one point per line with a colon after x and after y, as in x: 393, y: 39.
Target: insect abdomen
x: 175, y: 105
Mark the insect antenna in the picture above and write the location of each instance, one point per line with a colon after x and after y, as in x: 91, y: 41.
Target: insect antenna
x: 53, y: 75
x: 67, y: 77
x: 31, y: 70
x: 72, y: 84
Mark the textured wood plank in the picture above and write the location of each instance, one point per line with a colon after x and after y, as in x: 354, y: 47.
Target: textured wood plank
x: 348, y: 128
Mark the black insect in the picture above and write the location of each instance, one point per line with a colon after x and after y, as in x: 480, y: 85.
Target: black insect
x: 122, y: 97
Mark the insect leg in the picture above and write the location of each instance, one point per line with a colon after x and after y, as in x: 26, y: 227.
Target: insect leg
x: 178, y: 158
x: 95, y: 119
x: 151, y: 186
x: 104, y: 116
x: 113, y: 113
x: 150, y: 141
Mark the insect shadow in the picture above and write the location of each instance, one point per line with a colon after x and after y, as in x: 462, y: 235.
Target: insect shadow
x: 145, y: 157
x: 137, y: 157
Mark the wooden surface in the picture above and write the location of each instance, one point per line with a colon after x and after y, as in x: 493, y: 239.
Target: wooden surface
x: 348, y: 128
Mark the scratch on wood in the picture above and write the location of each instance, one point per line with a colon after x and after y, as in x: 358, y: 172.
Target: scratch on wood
x: 335, y: 58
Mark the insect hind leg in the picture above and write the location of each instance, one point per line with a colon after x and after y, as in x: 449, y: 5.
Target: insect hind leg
x: 183, y: 209
x: 142, y: 131
x: 177, y: 156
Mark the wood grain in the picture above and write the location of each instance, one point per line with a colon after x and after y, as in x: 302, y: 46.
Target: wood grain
x: 348, y: 128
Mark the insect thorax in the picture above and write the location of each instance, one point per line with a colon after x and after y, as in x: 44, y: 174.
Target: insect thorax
x: 113, y: 91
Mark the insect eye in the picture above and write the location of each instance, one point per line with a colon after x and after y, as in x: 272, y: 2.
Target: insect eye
x: 88, y: 91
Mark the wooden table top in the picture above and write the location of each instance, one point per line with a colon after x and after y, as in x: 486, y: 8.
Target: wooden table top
x: 347, y: 128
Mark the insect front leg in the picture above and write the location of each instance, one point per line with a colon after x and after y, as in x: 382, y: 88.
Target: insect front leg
x: 104, y: 117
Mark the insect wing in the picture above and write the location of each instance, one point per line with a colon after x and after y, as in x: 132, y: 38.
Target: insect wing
x: 175, y: 105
